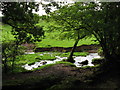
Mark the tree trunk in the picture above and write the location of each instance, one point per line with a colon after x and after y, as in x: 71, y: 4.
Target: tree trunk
x: 15, y: 54
x: 70, y: 58
x: 111, y: 62
x: 5, y: 65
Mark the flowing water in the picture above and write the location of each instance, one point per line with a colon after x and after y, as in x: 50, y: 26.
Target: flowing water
x: 88, y: 57
x: 77, y: 59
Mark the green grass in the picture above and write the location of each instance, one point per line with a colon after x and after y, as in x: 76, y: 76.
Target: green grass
x: 74, y: 54
x: 37, y: 57
x: 32, y: 58
x: 98, y: 59
x: 80, y: 53
x: 51, y: 39
x: 27, y: 59
x: 88, y: 67
x: 47, y: 57
x: 48, y: 42
x: 60, y: 62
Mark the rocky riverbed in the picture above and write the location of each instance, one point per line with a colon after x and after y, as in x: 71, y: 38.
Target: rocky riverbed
x: 78, y: 61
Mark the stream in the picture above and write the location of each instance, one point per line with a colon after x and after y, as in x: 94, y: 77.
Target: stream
x: 78, y: 60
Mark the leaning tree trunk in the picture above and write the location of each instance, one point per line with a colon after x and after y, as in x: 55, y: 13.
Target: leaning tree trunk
x: 111, y: 62
x: 70, y: 58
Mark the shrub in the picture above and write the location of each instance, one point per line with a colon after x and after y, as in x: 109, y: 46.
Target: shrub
x: 9, y: 53
x: 100, y: 51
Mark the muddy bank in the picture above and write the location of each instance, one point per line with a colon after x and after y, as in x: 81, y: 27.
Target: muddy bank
x: 62, y: 77
x: 83, y: 48
x: 46, y: 78
x: 86, y: 48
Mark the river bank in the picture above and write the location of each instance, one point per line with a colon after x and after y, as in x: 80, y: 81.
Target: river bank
x: 78, y: 60
x: 63, y: 77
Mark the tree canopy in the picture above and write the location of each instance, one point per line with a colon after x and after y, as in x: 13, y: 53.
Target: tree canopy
x: 104, y: 24
x: 70, y: 18
x: 100, y: 19
x: 20, y: 16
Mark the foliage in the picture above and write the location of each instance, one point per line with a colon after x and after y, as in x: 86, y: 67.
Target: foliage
x: 47, y: 7
x: 19, y: 15
x: 109, y: 39
x: 68, y: 25
x: 100, y: 19
x: 100, y: 51
x: 104, y: 24
x: 6, y: 32
x: 9, y: 54
x: 70, y: 18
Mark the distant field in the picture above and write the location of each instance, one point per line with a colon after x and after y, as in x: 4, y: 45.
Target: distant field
x: 49, y: 41
x: 64, y: 43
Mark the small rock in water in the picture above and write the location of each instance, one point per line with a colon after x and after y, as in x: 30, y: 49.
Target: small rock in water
x: 83, y: 62
x: 43, y: 63
x: 31, y: 63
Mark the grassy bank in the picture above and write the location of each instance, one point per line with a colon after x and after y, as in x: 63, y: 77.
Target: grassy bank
x: 50, y: 40
x: 6, y: 32
x: 32, y: 58
x: 37, y: 57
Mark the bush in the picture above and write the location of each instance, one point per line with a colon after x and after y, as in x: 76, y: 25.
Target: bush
x: 100, y: 51
x: 9, y: 53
